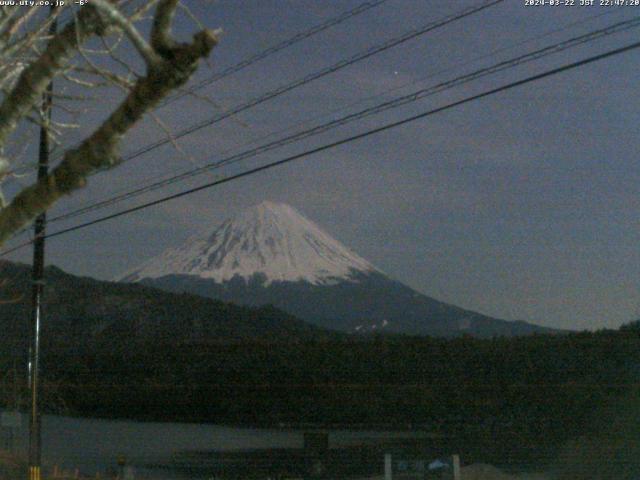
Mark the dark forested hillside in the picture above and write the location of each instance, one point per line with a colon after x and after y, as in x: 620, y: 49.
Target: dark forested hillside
x: 83, y: 313
x: 529, y: 394
x: 383, y: 380
x: 131, y: 351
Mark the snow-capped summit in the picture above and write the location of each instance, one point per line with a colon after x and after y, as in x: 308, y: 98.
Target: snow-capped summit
x: 269, y: 254
x: 270, y: 239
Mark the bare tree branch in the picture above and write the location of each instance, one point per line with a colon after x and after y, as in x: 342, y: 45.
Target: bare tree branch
x: 34, y: 79
x: 168, y: 68
x: 114, y: 15
x: 161, y: 39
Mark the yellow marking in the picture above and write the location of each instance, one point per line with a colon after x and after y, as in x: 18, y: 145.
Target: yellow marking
x: 34, y: 473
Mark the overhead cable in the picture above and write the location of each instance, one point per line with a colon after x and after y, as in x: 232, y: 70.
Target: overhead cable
x: 376, y: 109
x: 374, y: 131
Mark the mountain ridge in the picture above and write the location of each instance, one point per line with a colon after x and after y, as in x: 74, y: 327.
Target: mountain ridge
x: 271, y: 254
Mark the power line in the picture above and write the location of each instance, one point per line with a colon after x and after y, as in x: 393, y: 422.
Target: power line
x: 141, y: 187
x: 394, y: 103
x: 344, y: 141
x: 364, y: 7
x: 409, y: 35
x: 314, y: 76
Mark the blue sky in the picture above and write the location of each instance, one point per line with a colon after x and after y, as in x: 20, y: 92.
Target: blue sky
x: 523, y: 205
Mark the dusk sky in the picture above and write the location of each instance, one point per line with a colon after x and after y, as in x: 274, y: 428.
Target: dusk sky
x: 523, y: 205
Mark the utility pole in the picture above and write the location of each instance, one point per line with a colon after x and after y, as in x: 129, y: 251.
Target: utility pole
x: 35, y: 433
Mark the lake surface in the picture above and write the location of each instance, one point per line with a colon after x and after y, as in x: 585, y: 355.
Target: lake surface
x: 93, y: 445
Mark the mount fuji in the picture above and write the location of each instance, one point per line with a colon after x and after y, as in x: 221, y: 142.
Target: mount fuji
x: 271, y: 254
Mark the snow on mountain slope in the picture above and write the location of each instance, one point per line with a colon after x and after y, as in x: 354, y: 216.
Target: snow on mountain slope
x: 271, y: 239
